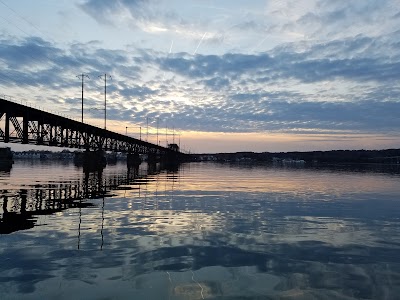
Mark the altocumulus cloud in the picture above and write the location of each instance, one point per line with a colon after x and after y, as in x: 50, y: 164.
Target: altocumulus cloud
x: 330, y: 72
x: 243, y: 107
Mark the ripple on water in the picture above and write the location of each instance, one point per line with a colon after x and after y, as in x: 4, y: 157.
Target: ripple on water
x: 206, y: 231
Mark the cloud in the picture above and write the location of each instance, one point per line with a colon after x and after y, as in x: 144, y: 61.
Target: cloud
x: 136, y: 91
x: 30, y: 52
x: 284, y: 63
x: 328, y: 83
x: 136, y: 14
x: 106, y: 11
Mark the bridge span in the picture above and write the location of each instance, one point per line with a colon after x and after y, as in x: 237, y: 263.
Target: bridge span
x: 27, y: 125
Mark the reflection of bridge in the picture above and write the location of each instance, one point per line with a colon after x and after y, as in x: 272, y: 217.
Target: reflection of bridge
x: 26, y: 125
x: 18, y: 209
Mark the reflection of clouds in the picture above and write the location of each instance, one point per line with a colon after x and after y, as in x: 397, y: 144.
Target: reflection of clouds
x: 301, y: 182
x: 169, y: 222
x: 172, y: 238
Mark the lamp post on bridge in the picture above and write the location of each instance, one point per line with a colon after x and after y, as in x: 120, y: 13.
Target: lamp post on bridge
x: 147, y: 130
x: 140, y: 131
x: 166, y: 136
x: 158, y: 142
x: 105, y: 97
x: 82, y: 76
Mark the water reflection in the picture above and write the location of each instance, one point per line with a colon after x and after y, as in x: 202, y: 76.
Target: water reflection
x: 208, y: 232
x: 5, y: 168
x: 18, y: 207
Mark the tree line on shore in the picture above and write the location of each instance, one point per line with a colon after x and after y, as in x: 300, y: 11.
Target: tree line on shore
x: 391, y: 156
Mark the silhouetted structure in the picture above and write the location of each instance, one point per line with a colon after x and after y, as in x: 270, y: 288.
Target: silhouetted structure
x: 27, y: 125
x: 6, y: 159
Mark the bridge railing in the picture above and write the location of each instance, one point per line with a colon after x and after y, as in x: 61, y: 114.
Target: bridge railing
x: 32, y: 105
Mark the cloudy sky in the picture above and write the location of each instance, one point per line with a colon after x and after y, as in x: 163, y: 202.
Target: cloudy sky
x: 221, y: 75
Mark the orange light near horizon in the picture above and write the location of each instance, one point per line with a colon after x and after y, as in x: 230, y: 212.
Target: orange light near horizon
x: 214, y: 142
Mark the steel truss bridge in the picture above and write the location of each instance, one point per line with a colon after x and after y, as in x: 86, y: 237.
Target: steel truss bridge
x: 27, y: 125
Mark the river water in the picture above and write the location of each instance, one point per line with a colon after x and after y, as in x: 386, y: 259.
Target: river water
x: 200, y: 231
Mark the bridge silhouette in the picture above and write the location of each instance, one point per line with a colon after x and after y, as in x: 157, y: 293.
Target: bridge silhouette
x: 28, y: 125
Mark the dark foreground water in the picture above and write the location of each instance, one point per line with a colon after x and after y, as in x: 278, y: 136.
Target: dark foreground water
x: 205, y: 231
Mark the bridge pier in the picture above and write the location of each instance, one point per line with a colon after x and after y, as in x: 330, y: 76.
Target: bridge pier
x: 7, y: 129
x: 90, y: 160
x: 6, y: 159
x: 152, y: 158
x: 133, y: 159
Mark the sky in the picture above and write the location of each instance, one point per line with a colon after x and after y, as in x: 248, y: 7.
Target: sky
x: 214, y: 76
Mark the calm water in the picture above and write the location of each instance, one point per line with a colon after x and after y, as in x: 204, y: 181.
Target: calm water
x: 205, y: 231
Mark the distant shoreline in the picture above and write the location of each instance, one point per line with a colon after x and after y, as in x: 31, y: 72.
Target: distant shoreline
x: 386, y: 156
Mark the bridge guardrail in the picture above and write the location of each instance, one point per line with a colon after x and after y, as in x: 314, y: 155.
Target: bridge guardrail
x: 30, y: 104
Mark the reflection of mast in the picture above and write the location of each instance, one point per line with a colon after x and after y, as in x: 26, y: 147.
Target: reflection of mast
x: 101, y: 188
x: 165, y: 184
x: 80, y: 221
x: 170, y: 282
x: 145, y: 192
x: 5, y: 203
x: 156, y: 194
x: 173, y: 185
x: 102, y: 224
x: 85, y: 194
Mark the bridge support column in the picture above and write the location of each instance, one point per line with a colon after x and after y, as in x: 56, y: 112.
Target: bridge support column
x: 7, y: 129
x: 133, y: 159
x: 90, y: 160
x: 152, y: 158
x: 25, y: 129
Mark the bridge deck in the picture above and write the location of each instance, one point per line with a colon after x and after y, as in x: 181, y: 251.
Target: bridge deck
x: 27, y: 125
